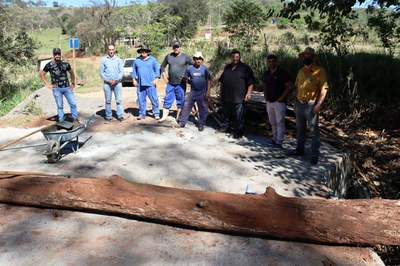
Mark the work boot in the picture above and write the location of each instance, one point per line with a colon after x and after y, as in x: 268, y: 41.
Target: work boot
x: 314, y: 159
x: 164, y: 115
x: 295, y: 152
x: 178, y: 113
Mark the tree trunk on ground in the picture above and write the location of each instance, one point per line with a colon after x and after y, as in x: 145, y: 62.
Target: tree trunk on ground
x: 364, y: 221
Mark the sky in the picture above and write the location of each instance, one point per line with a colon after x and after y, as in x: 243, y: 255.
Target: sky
x: 80, y: 3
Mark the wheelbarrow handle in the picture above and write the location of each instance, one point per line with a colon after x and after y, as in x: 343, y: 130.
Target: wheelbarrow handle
x: 89, y: 120
x: 23, y: 137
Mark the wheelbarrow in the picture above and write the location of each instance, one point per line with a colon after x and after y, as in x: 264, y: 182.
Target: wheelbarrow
x: 59, y: 135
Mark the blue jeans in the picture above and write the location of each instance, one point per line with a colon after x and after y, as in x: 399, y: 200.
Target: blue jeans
x: 202, y: 104
x: 150, y: 91
x: 108, y: 90
x: 304, y: 114
x: 237, y: 110
x: 69, y: 95
x: 175, y: 92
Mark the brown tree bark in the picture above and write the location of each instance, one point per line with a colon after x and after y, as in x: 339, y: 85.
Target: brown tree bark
x: 363, y: 221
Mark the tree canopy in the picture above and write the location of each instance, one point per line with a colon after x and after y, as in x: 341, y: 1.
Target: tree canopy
x: 244, y: 20
x: 334, y: 20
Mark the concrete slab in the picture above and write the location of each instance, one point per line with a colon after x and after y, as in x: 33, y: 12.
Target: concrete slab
x: 161, y: 154
x: 31, y: 236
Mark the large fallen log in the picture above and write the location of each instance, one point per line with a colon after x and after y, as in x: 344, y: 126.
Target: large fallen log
x: 363, y: 221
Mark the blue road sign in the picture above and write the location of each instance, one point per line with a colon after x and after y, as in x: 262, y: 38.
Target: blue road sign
x: 74, y: 43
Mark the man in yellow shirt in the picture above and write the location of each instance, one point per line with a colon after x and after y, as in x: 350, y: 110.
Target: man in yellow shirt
x: 311, y: 88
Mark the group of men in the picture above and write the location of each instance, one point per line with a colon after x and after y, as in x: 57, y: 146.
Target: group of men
x: 237, y: 81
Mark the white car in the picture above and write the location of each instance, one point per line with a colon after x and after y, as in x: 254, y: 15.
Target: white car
x: 128, y: 67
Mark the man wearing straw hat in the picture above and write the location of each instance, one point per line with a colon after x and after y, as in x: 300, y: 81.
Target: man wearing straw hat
x: 145, y: 74
x: 311, y: 85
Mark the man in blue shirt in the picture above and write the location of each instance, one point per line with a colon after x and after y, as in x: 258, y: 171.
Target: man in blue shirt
x: 111, y: 71
x: 145, y: 73
x: 199, y: 78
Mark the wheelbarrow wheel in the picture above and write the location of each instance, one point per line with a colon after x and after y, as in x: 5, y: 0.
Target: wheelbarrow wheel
x: 53, y: 151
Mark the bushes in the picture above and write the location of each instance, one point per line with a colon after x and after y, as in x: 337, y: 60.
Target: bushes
x: 12, y: 94
x: 360, y: 75
x: 377, y: 75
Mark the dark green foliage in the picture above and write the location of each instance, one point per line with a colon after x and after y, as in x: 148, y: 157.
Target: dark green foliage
x: 63, y: 21
x: 244, y: 20
x: 353, y: 77
x: 191, y: 11
x: 16, y: 50
x: 377, y: 75
x: 387, y: 25
x: 334, y: 21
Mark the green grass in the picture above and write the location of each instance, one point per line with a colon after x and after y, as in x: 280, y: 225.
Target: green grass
x: 8, y: 104
x: 49, y: 39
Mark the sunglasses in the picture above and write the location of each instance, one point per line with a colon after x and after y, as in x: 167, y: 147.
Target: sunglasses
x: 197, y: 58
x: 57, y: 54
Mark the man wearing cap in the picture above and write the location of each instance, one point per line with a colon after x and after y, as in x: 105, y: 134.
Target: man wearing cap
x: 60, y: 85
x: 311, y: 85
x: 176, y: 86
x: 111, y: 71
x: 145, y: 73
x: 199, y: 78
x: 237, y: 81
x: 277, y: 87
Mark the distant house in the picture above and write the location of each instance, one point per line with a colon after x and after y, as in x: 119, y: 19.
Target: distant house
x: 128, y: 40
x: 42, y: 62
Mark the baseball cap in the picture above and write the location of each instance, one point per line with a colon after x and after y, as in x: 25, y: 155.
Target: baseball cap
x: 56, y: 51
x: 176, y: 43
x: 198, y: 55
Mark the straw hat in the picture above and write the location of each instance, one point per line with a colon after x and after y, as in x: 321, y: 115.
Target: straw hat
x: 143, y: 48
x: 309, y: 51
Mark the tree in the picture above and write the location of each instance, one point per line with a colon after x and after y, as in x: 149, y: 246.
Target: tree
x: 63, y: 21
x: 386, y: 23
x: 41, y: 3
x: 99, y: 27
x: 16, y: 47
x: 16, y: 50
x: 244, y: 20
x: 335, y: 19
x: 191, y: 11
x: 217, y: 11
